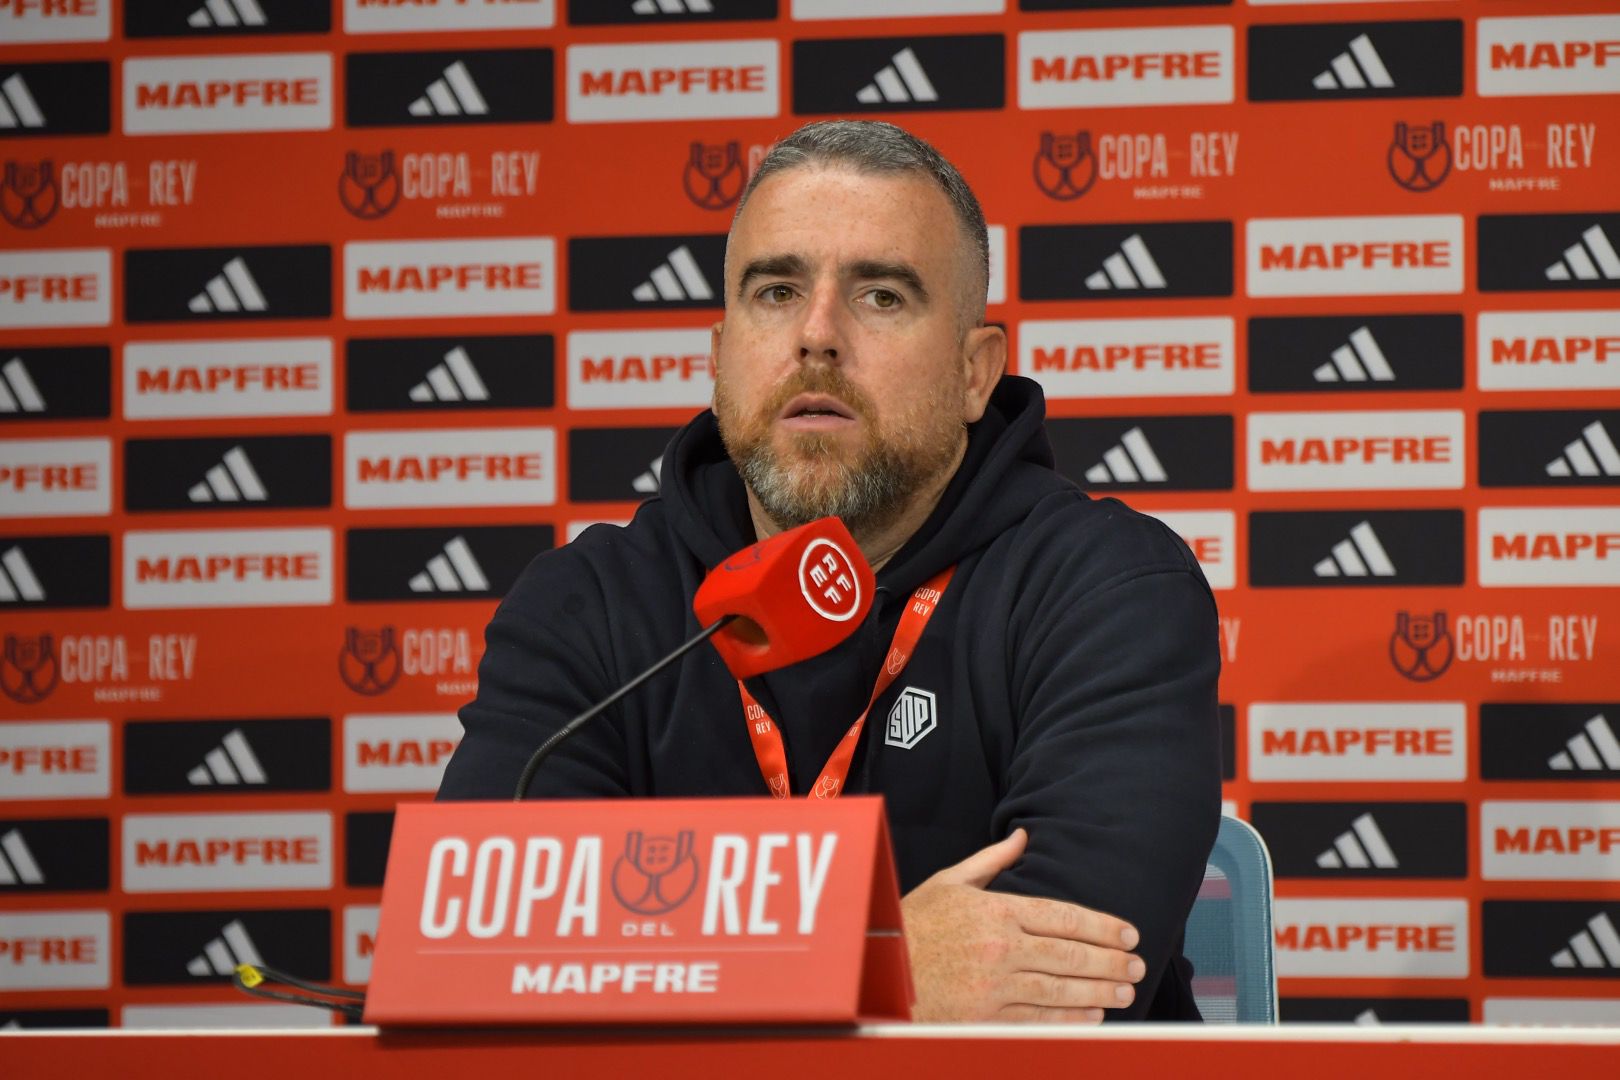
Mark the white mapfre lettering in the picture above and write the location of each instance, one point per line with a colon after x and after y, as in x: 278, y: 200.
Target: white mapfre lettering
x: 55, y: 950
x: 1212, y: 535
x: 1567, y: 54
x: 634, y: 369
x: 55, y: 477
x: 1548, y: 350
x: 1355, y: 256
x: 452, y: 467
x: 35, y: 21
x: 67, y: 287
x: 1364, y: 938
x: 688, y: 80
x: 1361, y: 741
x: 227, y: 852
x: 398, y: 752
x: 1339, y: 451
x: 394, y: 16
x: 1169, y: 65
x: 57, y: 759
x: 1549, y: 545
x: 1090, y: 358
x: 241, y: 92
x: 359, y: 942
x: 1549, y: 841
x: 166, y: 380
x: 427, y: 278
x: 228, y: 568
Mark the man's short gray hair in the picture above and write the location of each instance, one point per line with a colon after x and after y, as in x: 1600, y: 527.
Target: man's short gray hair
x: 872, y: 146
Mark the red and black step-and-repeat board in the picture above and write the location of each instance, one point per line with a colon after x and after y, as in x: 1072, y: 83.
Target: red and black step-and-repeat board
x: 318, y: 319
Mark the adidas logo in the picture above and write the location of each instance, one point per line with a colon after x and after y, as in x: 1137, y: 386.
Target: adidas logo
x: 232, y: 289
x: 1357, y: 68
x: 17, y: 106
x: 1593, y: 750
x: 454, y: 380
x: 678, y: 279
x: 672, y: 7
x: 228, y: 13
x: 454, y: 95
x: 17, y: 390
x: 1361, y: 846
x: 1357, y: 361
x: 220, y: 956
x: 1366, y: 1018
x: 647, y: 482
x: 1584, y: 947
x: 230, y: 763
x: 902, y: 80
x: 452, y: 570
x: 1132, y: 461
x: 1577, y: 260
x: 1131, y: 267
x: 17, y: 865
x: 1592, y: 455
x: 233, y: 480
x: 1361, y: 555
x: 11, y: 1025
x: 17, y: 580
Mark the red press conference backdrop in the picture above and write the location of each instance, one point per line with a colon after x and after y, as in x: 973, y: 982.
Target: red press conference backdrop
x: 318, y: 319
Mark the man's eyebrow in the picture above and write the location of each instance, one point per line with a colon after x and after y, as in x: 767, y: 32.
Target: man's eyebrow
x: 771, y: 266
x: 876, y: 269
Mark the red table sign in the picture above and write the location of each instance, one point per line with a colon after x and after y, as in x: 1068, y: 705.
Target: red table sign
x: 642, y: 911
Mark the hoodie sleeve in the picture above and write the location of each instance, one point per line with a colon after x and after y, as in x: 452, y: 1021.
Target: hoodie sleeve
x: 545, y: 661
x: 1116, y: 763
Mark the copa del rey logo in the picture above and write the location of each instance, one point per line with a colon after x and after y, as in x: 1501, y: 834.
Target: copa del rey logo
x: 1183, y: 65
x: 450, y: 278
x: 1355, y: 256
x: 227, y: 852
x: 203, y: 94
x: 689, y: 80
x: 625, y: 369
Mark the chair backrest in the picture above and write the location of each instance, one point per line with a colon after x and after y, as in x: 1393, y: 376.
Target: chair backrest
x: 1229, y: 931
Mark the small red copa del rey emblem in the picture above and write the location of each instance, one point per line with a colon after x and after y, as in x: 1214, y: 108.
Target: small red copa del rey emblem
x: 690, y: 911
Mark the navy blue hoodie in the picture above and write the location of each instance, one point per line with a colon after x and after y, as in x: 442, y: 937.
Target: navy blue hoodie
x: 1073, y: 663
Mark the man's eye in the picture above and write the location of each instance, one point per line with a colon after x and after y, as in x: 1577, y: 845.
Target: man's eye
x: 884, y: 298
x: 778, y: 294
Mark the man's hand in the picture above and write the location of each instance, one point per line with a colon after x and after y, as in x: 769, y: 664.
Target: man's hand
x: 978, y: 955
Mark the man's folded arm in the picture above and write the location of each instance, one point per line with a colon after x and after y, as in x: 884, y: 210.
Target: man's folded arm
x: 544, y: 663
x: 1116, y: 768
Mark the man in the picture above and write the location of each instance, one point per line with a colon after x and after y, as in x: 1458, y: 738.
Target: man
x: 1051, y: 828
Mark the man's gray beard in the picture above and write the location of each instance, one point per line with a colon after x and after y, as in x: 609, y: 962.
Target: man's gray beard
x: 868, y: 496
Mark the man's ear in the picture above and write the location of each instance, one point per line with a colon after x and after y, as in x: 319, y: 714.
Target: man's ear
x: 715, y: 333
x: 984, y: 358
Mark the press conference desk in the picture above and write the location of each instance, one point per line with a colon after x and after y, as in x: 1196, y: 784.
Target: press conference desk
x: 890, y: 1051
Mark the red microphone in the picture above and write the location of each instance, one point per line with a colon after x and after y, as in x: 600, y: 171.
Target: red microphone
x: 794, y: 596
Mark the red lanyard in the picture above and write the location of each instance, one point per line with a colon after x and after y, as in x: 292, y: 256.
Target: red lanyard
x: 768, y: 745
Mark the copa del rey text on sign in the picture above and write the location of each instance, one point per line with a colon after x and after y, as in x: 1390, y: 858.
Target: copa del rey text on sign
x: 719, y: 910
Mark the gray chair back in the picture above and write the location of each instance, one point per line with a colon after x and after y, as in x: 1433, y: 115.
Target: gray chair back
x: 1229, y: 931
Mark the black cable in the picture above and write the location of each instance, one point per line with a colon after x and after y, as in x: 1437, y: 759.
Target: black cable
x: 579, y: 721
x: 249, y: 978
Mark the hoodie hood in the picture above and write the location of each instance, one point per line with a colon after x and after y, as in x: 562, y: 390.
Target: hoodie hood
x: 1007, y: 469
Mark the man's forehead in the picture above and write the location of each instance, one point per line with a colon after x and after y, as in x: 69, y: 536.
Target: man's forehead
x: 832, y: 213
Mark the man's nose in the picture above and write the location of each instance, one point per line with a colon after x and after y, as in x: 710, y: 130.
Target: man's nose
x: 821, y: 332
